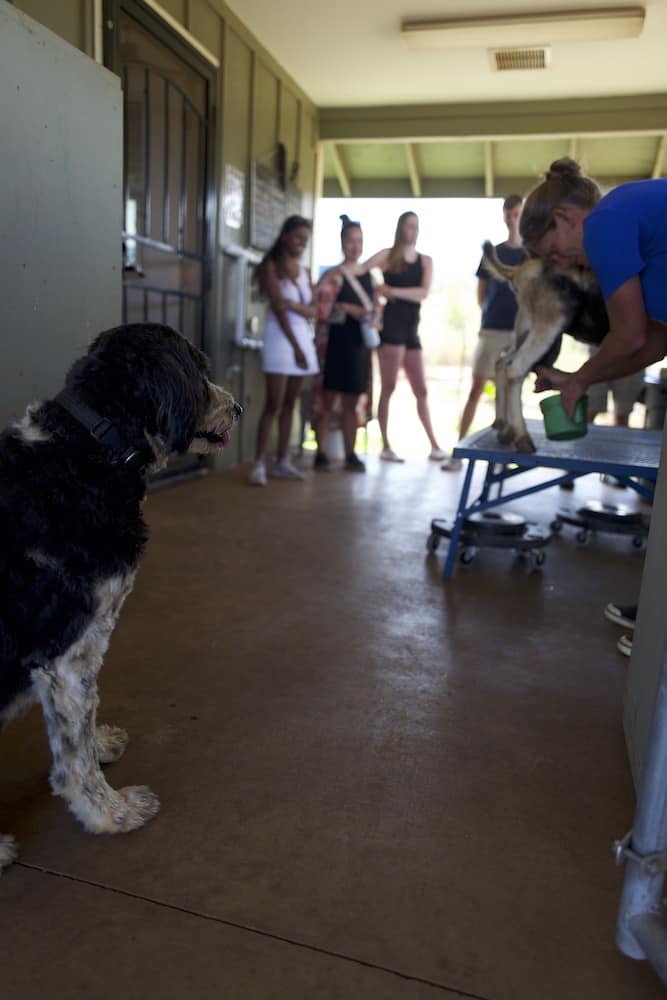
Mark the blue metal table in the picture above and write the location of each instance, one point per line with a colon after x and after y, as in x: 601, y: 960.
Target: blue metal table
x: 631, y: 456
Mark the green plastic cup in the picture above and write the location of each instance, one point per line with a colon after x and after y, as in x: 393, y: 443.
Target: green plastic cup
x: 558, y: 425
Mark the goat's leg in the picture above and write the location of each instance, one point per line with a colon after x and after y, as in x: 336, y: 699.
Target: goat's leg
x: 535, y: 345
x: 522, y: 439
x: 500, y: 422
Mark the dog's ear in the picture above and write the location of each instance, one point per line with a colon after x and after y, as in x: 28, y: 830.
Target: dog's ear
x: 179, y: 392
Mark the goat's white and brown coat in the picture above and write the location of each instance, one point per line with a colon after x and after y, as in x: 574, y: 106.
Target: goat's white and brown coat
x: 551, y: 301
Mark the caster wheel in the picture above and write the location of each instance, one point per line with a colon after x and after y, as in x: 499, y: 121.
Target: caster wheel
x: 433, y: 543
x: 582, y: 537
x: 556, y: 526
x: 467, y: 557
x: 638, y: 542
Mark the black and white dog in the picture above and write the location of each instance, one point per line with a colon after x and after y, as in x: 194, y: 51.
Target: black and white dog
x: 551, y: 301
x: 72, y: 480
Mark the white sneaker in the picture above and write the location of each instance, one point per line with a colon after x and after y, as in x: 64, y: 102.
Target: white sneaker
x: 452, y: 464
x: 257, y: 475
x: 389, y: 455
x: 437, y: 454
x: 285, y: 470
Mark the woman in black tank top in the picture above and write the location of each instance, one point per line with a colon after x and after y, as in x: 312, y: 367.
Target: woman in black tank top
x: 407, y: 279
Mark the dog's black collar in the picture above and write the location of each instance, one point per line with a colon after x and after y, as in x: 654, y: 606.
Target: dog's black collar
x: 104, y: 432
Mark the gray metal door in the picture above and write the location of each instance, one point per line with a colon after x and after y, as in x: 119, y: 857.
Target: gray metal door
x: 167, y: 113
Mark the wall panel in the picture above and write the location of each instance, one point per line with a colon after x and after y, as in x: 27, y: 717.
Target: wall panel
x: 64, y: 17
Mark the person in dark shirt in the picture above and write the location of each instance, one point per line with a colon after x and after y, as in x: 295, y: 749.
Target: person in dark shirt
x: 498, y: 304
x: 347, y: 361
x: 407, y: 280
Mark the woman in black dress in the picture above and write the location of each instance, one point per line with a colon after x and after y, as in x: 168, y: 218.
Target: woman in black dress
x: 407, y: 279
x: 347, y: 360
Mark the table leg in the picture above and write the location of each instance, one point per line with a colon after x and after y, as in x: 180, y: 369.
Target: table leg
x: 458, y: 522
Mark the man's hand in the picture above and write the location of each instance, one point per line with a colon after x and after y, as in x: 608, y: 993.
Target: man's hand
x: 571, y: 392
x: 549, y: 378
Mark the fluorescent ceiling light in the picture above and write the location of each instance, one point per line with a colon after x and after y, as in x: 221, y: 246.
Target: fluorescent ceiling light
x: 540, y: 28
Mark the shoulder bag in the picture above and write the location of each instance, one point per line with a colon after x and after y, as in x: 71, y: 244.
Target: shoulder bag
x: 368, y: 330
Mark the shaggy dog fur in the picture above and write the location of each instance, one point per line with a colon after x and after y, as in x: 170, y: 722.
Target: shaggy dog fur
x: 71, y: 538
x: 551, y: 301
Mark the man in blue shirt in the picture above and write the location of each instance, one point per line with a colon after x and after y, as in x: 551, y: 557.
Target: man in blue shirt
x: 623, y: 238
x: 498, y: 304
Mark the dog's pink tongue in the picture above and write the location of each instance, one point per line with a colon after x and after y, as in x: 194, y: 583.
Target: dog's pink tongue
x: 225, y: 438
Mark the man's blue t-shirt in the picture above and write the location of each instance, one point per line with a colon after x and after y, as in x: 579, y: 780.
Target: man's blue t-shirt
x: 626, y: 235
x: 499, y: 306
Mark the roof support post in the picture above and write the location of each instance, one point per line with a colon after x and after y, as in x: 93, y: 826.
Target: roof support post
x: 659, y: 157
x: 342, y: 172
x: 489, y: 179
x: 413, y: 170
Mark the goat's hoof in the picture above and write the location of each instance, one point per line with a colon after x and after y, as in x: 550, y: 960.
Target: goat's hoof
x: 525, y: 444
x: 498, y: 424
x: 111, y: 742
x: 506, y: 435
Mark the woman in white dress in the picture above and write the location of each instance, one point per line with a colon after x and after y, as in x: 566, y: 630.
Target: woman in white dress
x: 289, y: 348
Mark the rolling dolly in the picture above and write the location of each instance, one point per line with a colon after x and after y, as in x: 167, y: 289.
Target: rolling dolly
x: 492, y: 529
x: 616, y: 519
x: 631, y: 456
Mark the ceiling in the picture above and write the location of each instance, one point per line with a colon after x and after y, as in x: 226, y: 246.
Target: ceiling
x: 395, y: 121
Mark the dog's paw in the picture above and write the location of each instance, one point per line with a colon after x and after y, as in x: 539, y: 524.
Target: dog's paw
x: 111, y: 742
x: 135, y: 805
x: 102, y: 809
x: 8, y: 851
x: 525, y: 444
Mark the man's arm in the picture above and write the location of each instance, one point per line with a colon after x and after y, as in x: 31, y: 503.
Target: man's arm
x: 633, y: 342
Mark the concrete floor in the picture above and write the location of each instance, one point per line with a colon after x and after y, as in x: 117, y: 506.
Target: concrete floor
x: 373, y: 785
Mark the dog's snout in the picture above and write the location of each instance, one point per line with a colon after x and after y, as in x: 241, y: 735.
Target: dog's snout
x: 237, y: 410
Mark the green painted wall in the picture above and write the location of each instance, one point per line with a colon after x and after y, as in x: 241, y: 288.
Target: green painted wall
x: 257, y: 106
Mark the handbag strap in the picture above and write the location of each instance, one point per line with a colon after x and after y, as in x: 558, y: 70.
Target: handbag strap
x: 358, y: 290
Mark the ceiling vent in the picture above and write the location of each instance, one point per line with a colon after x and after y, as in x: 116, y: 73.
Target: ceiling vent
x: 535, y: 57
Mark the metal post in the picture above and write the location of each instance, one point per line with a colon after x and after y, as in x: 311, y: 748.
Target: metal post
x: 641, y: 930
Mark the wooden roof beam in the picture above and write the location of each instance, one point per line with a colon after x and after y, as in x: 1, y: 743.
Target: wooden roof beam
x: 659, y: 157
x: 489, y: 172
x: 342, y: 172
x: 413, y: 170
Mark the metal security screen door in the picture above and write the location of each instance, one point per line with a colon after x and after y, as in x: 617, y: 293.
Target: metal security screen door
x: 167, y: 113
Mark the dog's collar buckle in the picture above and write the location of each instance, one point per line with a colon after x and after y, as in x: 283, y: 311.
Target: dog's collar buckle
x: 102, y: 429
x: 134, y: 459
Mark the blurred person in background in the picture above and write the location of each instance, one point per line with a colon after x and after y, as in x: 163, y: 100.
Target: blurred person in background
x: 407, y: 280
x: 288, y: 353
x: 346, y: 370
x: 499, y: 307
